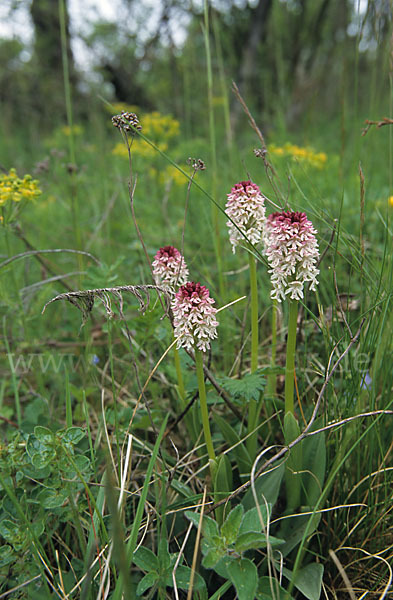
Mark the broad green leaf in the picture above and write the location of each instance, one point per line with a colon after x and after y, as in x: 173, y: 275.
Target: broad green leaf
x: 230, y: 527
x: 294, y: 464
x: 240, y: 451
x: 40, y: 450
x: 14, y: 534
x: 194, y: 518
x: 209, y: 525
x: 212, y: 557
x: 44, y: 458
x: 36, y: 411
x: 145, y: 559
x: 181, y: 488
x: 314, y: 466
x: 164, y: 558
x: 9, y: 508
x: 73, y: 435
x: 308, y: 580
x: 34, y: 473
x: 255, y: 540
x: 293, y: 529
x: 146, y: 582
x: 38, y: 527
x: 223, y: 475
x: 223, y: 565
x: 52, y: 498
x: 252, y: 519
x: 270, y: 589
x: 7, y: 555
x: 34, y: 445
x: 43, y: 434
x: 182, y: 576
x: 81, y: 462
x: 291, y: 428
x: 267, y: 488
x: 244, y: 576
x: 210, y: 528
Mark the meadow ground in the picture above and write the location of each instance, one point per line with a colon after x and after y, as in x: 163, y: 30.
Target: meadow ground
x: 106, y: 459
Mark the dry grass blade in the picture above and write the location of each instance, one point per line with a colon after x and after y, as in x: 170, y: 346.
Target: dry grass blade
x: 84, y: 299
x: 47, y: 251
x: 196, y: 548
x: 343, y: 574
x: 260, y: 152
x: 374, y: 577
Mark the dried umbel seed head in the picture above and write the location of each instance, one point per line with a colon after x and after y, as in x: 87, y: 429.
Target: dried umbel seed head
x: 194, y: 317
x: 169, y: 268
x: 196, y: 163
x: 292, y: 252
x: 260, y: 152
x: 246, y: 208
x: 127, y: 121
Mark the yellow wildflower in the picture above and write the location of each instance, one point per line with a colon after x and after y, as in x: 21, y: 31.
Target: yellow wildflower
x: 15, y: 189
x: 118, y: 107
x: 173, y: 174
x: 157, y: 126
x: 139, y: 147
x: 305, y: 155
x: 218, y: 101
x: 76, y: 130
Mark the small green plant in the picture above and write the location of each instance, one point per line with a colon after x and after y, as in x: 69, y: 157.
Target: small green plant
x: 164, y: 570
x: 42, y: 473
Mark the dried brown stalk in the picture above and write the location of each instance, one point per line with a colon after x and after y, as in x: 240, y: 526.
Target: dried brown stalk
x: 84, y: 299
x: 378, y: 124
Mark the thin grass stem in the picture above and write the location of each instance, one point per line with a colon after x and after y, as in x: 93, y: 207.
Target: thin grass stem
x: 212, y: 133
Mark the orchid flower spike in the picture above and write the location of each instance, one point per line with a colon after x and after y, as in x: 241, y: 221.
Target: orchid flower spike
x: 246, y: 208
x: 169, y: 268
x: 194, y: 317
x: 292, y: 252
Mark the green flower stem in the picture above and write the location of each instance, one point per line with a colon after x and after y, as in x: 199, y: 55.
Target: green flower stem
x: 293, y: 465
x: 290, y: 359
x: 252, y: 406
x: 254, y: 313
x: 180, y: 381
x: 182, y: 395
x: 203, y: 403
x: 272, y: 378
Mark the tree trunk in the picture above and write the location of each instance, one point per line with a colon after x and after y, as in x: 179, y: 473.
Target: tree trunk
x: 47, y: 58
x: 249, y: 72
